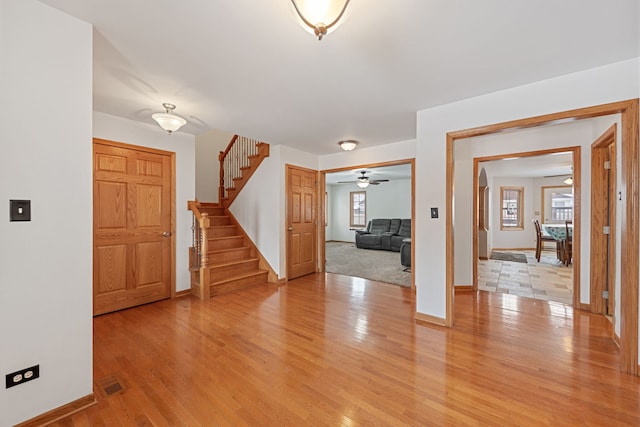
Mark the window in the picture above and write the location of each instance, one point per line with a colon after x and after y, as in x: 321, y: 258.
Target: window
x: 557, y: 204
x: 561, y: 206
x: 358, y: 208
x: 512, y: 202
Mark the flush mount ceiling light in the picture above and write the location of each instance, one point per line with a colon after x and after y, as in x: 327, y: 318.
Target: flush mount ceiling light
x: 320, y: 17
x: 169, y: 121
x: 348, y: 144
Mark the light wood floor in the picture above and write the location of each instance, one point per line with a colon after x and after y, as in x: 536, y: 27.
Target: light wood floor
x: 341, y: 352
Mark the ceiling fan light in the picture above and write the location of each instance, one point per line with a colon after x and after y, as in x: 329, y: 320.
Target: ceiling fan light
x: 363, y: 184
x: 320, y: 17
x: 348, y: 144
x: 167, y: 120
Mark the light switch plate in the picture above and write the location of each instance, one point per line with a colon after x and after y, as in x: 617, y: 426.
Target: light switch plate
x: 19, y: 210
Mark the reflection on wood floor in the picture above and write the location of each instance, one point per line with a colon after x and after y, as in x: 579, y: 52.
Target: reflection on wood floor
x: 338, y: 351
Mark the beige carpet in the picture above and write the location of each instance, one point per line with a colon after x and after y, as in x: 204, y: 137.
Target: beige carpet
x: 383, y: 266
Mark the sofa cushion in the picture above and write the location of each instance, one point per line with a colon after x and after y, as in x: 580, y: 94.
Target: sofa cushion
x: 379, y: 225
x: 394, y: 226
x: 405, y: 228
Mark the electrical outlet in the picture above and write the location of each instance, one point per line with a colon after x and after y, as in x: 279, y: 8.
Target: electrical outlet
x: 22, y: 376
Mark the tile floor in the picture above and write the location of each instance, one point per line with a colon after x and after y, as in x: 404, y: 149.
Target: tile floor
x: 546, y: 280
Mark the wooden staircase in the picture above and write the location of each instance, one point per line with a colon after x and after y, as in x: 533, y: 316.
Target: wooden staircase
x: 223, y: 258
x: 232, y: 260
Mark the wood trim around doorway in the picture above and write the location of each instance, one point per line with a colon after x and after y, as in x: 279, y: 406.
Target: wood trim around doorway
x: 575, y: 151
x: 322, y: 208
x: 630, y: 236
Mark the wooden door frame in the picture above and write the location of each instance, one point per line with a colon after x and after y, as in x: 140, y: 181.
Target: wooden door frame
x: 323, y: 207
x: 630, y: 236
x: 575, y: 151
x: 172, y: 157
x: 317, y: 214
x: 598, y: 276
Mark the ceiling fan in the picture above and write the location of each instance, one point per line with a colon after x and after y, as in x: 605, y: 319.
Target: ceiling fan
x: 364, y: 181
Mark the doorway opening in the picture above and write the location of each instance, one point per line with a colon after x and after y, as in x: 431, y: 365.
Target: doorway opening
x: 387, y: 195
x: 629, y: 215
x: 523, y: 211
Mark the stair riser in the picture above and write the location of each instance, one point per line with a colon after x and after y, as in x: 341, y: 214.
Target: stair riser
x: 218, y: 273
x: 238, y: 284
x: 231, y: 255
x: 219, y: 220
x: 227, y: 243
x: 222, y: 231
x: 212, y: 211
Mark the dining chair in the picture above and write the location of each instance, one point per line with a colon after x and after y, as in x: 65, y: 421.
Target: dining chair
x: 541, y: 238
x: 567, y: 244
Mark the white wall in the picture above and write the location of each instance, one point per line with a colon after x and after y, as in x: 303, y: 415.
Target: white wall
x: 387, y: 200
x: 261, y: 205
x: 596, y: 86
x: 150, y: 135
x: 208, y: 146
x: 402, y: 150
x: 45, y: 264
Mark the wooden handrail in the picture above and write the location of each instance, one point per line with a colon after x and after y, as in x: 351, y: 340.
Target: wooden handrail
x: 221, y: 157
x: 199, y: 237
x: 235, y: 160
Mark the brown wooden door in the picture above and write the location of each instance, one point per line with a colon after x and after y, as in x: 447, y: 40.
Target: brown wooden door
x: 131, y: 226
x: 603, y: 205
x: 301, y: 222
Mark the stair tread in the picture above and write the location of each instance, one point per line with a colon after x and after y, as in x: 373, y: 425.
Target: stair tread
x: 238, y: 276
x: 239, y: 236
x: 233, y: 262
x: 216, y: 251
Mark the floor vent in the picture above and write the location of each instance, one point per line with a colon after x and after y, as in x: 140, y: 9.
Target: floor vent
x: 110, y: 385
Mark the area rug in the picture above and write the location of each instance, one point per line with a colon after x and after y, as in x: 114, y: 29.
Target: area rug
x: 383, y: 266
x: 509, y: 256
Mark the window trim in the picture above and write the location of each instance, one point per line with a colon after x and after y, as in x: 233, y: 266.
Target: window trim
x: 520, y: 208
x: 351, y: 195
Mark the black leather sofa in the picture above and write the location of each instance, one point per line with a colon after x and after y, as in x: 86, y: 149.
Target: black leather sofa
x: 384, y: 233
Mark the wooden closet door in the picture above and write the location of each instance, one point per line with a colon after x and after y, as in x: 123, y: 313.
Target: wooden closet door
x: 132, y: 227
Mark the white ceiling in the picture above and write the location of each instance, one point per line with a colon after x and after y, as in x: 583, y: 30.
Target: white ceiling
x: 547, y: 165
x: 247, y: 67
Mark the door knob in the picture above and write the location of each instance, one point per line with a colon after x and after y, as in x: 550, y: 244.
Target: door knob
x: 166, y: 234
x: 290, y: 228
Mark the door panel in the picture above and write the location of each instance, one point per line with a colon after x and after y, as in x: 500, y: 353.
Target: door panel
x: 132, y: 227
x: 301, y: 222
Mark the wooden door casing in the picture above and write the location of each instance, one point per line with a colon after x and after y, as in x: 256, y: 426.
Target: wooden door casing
x: 302, y: 230
x: 133, y: 226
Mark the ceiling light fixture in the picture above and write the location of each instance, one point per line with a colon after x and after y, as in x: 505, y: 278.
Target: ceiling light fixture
x: 320, y: 17
x: 169, y: 121
x: 568, y: 181
x: 363, y: 184
x: 348, y: 144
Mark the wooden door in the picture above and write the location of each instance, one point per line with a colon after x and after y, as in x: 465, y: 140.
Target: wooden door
x: 132, y: 226
x: 302, y: 233
x: 603, y: 205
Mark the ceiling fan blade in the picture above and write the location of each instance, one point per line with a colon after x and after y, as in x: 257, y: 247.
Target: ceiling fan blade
x: 378, y: 180
x: 347, y: 182
x: 374, y: 183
